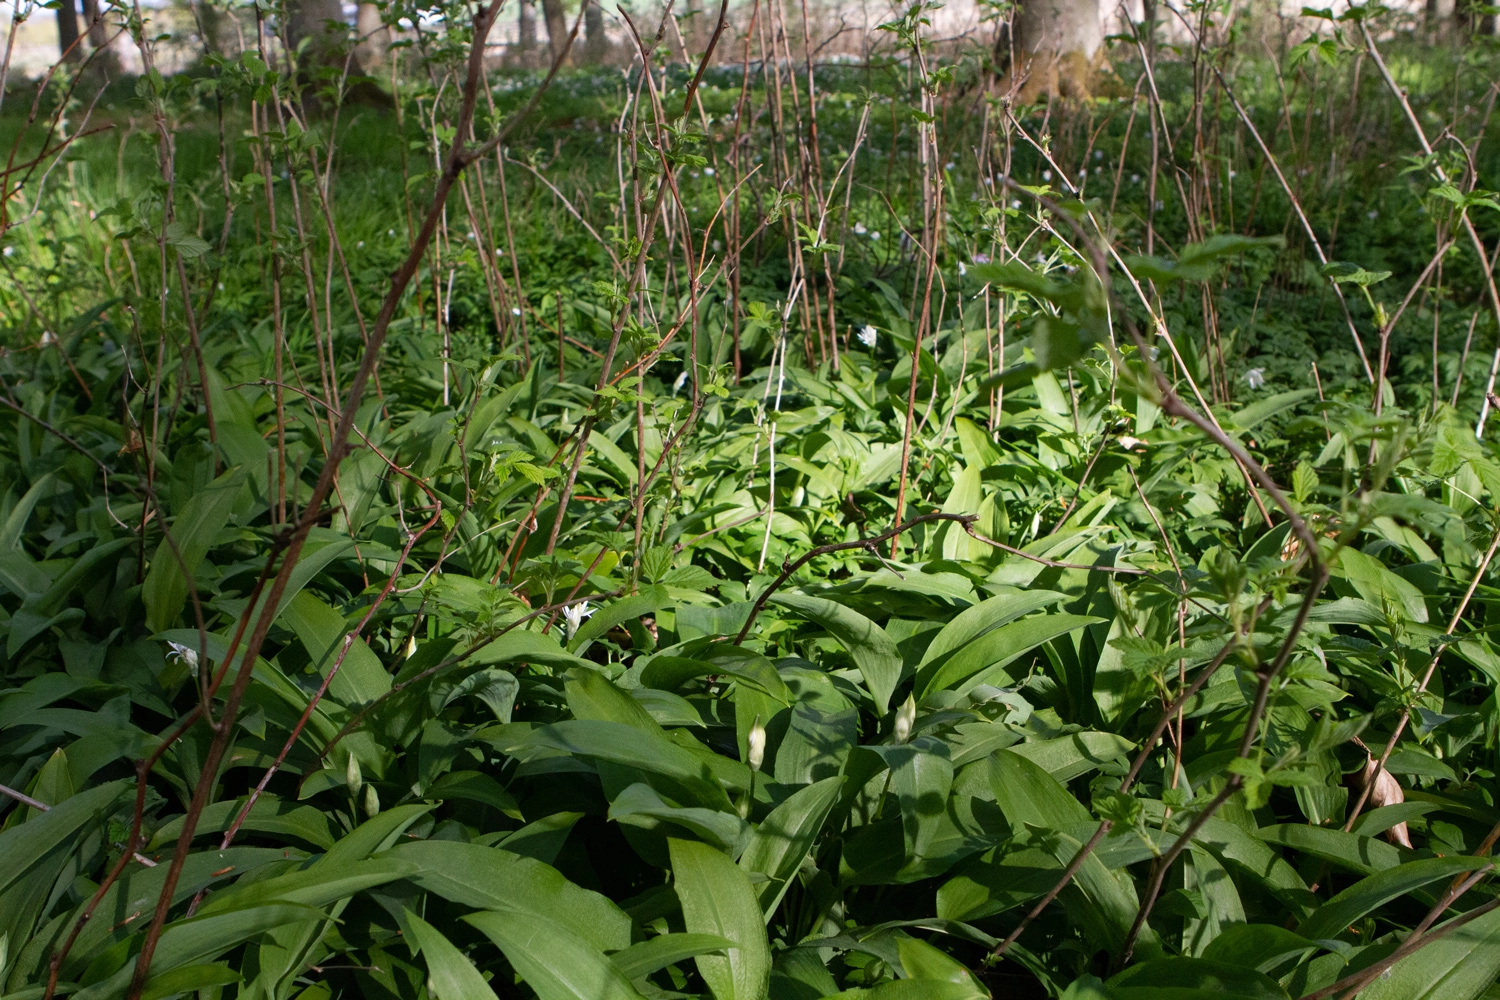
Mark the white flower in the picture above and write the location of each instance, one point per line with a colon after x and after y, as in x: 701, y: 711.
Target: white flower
x: 1098, y: 154
x: 184, y: 654
x: 9, y: 251
x: 679, y: 381
x: 1046, y: 175
x: 515, y: 310
x: 961, y: 269
x: 360, y: 245
x: 875, y: 235
x: 756, y: 745
x: 867, y: 335
x: 390, y: 232
x: 708, y: 171
x: 48, y: 337
x: 1128, y: 443
x: 1135, y: 178
x: 1015, y: 203
x: 718, y: 246
x: 1372, y: 215
x: 1255, y: 378
x: 905, y: 716
x: 575, y: 614
x: 471, y: 235
x: 859, y: 229
x: 949, y: 166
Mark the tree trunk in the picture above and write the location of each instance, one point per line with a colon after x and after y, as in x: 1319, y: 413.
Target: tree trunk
x: 374, y: 36
x: 98, y: 32
x: 1058, y: 45
x: 67, y: 32
x: 526, y: 30
x: 322, y: 24
x: 697, y: 34
x: 596, y: 44
x: 557, y: 26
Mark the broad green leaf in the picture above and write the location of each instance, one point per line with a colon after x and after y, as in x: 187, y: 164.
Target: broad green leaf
x: 1173, y: 978
x: 1066, y: 757
x: 780, y: 841
x: 874, y: 653
x: 666, y: 949
x: 324, y: 633
x: 194, y: 531
x: 922, y: 961
x: 717, y: 898
x: 631, y: 746
x: 24, y: 844
x: 996, y: 648
x: 1029, y: 796
x: 591, y: 696
x: 15, y: 522
x: 553, y: 960
x: 1256, y: 946
x: 1369, y: 894
x: 318, y: 885
x: 471, y: 875
x: 1459, y: 966
x: 643, y: 806
x: 650, y: 600
x: 984, y: 617
x: 198, y: 940
x: 269, y: 815
x: 451, y: 976
x: 1350, y: 851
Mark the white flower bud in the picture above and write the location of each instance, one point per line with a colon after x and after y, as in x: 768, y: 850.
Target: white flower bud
x: 372, y: 801
x: 353, y: 777
x: 757, y: 745
x: 906, y: 715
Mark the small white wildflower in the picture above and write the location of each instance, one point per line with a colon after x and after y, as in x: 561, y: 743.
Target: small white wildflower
x: 867, y: 335
x: 1255, y: 378
x: 515, y: 310
x: 1135, y: 178
x: 708, y: 171
x: 9, y: 251
x: 574, y: 616
x: 1233, y: 174
x: 949, y: 166
x: 859, y: 229
x: 1130, y: 443
x: 718, y: 246
x: 756, y: 745
x: 1015, y: 203
x: 679, y: 381
x: 471, y: 235
x: 875, y: 234
x: 961, y: 269
x: 1372, y: 215
x: 1098, y: 154
x: 906, y: 715
x: 360, y: 245
x: 48, y: 337
x: 390, y: 232
x: 184, y: 654
x: 1046, y: 175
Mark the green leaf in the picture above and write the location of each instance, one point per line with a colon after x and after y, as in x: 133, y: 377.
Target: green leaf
x: 631, y: 746
x: 1369, y: 894
x: 666, y: 949
x: 1343, y: 272
x: 25, y: 844
x: 1458, y: 966
x: 649, y: 601
x: 1349, y: 851
x: 995, y: 649
x: 553, y: 960
x: 362, y: 677
x: 781, y: 841
x: 15, y: 522
x: 717, y: 898
x: 194, y: 531
x: 641, y: 805
x: 1170, y: 978
x: 472, y: 875
x: 451, y: 976
x: 921, y: 961
x: 874, y: 652
x: 1256, y: 946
